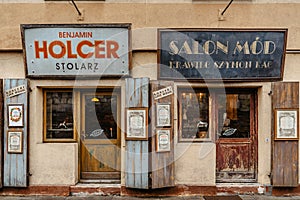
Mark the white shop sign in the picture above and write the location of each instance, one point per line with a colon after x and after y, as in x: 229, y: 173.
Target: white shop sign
x: 76, y: 50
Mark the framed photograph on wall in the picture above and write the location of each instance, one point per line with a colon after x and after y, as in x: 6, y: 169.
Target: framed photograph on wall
x: 286, y: 124
x: 15, y: 115
x: 14, y: 141
x: 163, y: 140
x: 136, y: 124
x: 163, y: 115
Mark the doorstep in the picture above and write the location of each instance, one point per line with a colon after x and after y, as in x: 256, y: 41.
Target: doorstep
x: 82, y: 189
x: 237, y: 188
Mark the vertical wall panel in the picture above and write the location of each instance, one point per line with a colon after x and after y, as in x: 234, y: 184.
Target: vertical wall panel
x: 162, y: 163
x: 15, y: 164
x: 285, y: 152
x: 137, y: 161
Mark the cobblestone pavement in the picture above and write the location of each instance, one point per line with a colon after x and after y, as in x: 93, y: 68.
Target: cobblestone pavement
x: 89, y: 197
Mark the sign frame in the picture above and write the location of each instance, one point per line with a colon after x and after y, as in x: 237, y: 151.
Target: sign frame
x: 15, y: 136
x: 128, y: 56
x: 176, y: 75
x: 283, y: 117
x: 138, y: 129
x: 17, y: 119
x: 163, y: 139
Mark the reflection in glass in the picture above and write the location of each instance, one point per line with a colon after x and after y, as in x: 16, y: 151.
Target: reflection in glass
x: 195, y: 115
x: 234, y: 116
x: 59, y: 116
x: 100, y: 117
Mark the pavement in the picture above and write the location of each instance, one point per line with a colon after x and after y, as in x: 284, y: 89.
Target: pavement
x: 95, y: 197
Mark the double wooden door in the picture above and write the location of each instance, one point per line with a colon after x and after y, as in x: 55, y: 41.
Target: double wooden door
x: 100, y: 136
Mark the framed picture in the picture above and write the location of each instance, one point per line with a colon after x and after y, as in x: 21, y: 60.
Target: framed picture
x: 15, y: 115
x: 163, y: 115
x: 14, y: 141
x: 136, y: 124
x: 286, y: 124
x: 163, y: 140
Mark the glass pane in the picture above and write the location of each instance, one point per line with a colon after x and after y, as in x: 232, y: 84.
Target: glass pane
x: 59, y: 115
x: 194, y: 114
x: 101, y: 116
x: 234, y: 116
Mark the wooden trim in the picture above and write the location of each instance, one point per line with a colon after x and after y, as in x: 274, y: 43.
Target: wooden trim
x: 101, y: 175
x: 45, y: 140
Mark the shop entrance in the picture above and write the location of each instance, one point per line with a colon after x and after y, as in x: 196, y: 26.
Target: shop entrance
x: 236, y: 138
x: 100, y: 136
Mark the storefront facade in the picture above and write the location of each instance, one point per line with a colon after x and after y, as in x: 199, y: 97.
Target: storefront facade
x: 130, y: 95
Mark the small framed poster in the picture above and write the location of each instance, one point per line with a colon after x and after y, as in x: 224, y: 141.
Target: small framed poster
x: 163, y: 115
x: 286, y: 124
x: 15, y: 115
x: 14, y: 141
x: 163, y: 140
x: 136, y: 124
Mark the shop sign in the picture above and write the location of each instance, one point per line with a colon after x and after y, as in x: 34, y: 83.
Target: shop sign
x: 15, y: 91
x: 229, y: 55
x: 76, y: 50
x: 164, y: 92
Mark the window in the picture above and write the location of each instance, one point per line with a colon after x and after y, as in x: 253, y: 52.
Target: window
x: 58, y: 116
x: 194, y: 114
x: 228, y: 112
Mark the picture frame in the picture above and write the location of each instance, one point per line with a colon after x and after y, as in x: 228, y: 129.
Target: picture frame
x: 15, y: 141
x: 136, y: 124
x: 163, y: 140
x: 163, y: 115
x: 15, y: 115
x: 286, y: 124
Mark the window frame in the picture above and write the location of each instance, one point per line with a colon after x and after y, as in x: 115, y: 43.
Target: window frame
x: 212, y: 110
x: 210, y: 137
x: 57, y: 140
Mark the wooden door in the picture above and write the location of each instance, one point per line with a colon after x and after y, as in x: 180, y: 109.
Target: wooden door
x: 100, y: 136
x: 236, y: 137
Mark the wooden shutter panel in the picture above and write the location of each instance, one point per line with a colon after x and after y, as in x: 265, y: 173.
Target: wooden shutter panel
x: 285, y: 152
x: 162, y: 163
x: 137, y: 156
x: 15, y: 164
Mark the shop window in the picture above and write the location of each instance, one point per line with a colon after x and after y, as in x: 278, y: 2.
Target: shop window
x: 230, y: 110
x: 58, y: 116
x: 194, y: 114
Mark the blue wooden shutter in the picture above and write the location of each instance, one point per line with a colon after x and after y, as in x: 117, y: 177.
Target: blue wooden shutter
x: 137, y: 156
x: 15, y: 164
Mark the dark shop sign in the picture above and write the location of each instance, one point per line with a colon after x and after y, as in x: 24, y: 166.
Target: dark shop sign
x: 228, y: 55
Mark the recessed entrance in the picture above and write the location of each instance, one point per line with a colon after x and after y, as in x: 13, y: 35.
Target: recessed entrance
x: 236, y: 137
x: 100, y: 137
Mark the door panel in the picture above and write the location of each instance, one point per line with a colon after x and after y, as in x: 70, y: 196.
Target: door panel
x: 236, y: 139
x: 100, y: 136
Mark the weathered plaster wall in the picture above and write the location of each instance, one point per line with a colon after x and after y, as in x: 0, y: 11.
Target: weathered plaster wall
x: 150, y: 15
